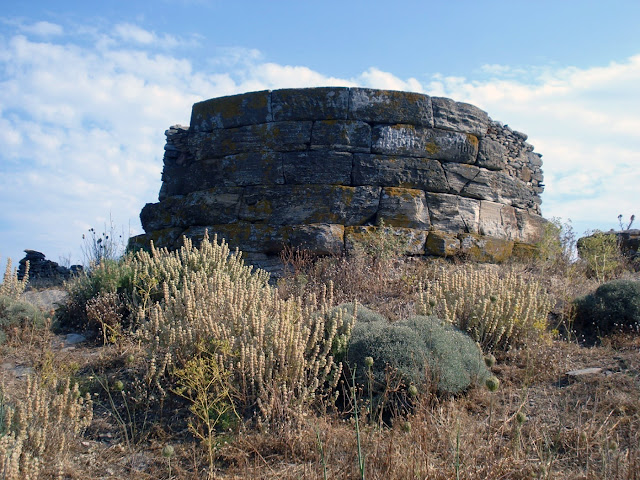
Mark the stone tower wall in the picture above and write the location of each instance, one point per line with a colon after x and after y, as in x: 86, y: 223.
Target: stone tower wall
x: 318, y: 168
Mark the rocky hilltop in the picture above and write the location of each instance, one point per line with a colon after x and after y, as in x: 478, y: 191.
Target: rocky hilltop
x: 318, y: 168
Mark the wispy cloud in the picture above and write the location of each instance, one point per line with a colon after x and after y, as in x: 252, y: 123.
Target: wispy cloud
x: 42, y: 29
x: 82, y: 122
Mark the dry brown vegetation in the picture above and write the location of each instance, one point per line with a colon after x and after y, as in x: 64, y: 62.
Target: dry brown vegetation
x: 539, y: 423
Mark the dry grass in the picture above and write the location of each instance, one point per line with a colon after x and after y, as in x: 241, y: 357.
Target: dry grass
x: 582, y: 428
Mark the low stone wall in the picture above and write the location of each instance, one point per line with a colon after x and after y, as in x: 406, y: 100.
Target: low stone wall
x: 318, y: 168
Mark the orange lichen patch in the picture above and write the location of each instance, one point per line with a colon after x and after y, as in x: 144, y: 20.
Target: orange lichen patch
x: 473, y: 140
x: 432, y: 148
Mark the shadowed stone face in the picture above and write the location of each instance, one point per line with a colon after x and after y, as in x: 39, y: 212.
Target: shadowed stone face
x: 321, y: 168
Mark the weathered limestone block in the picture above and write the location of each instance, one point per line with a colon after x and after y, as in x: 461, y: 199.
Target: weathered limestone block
x: 341, y: 135
x: 450, y: 213
x: 462, y: 117
x: 320, y: 167
x: 300, y: 204
x: 491, y: 155
x: 485, y: 249
x: 530, y: 226
x: 241, y: 170
x: 217, y: 205
x: 498, y: 220
x: 403, y: 207
x: 424, y: 142
x: 442, y: 244
x: 474, y: 182
x: 231, y: 111
x: 410, y: 241
x: 324, y: 239
x: 276, y: 136
x: 409, y: 172
x: 330, y: 103
x: 388, y: 106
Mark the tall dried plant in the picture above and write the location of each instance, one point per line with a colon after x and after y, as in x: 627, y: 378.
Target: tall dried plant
x: 282, y: 348
x: 497, y: 310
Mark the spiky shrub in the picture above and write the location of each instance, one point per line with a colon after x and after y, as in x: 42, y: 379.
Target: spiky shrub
x: 421, y: 350
x: 281, y: 349
x: 614, y: 306
x: 38, y: 430
x: 497, y: 310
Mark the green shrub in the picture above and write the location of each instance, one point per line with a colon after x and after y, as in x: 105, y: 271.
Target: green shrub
x: 614, y: 306
x: 17, y: 316
x: 602, y: 255
x: 109, y: 277
x: 422, y: 350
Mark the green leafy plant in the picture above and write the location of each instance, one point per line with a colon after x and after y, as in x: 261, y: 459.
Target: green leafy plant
x: 614, y: 306
x: 208, y: 388
x: 602, y: 255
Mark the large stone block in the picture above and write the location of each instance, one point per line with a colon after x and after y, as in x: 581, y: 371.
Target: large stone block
x: 485, y: 249
x: 217, y: 205
x: 231, y: 111
x: 442, y: 244
x: 408, y: 172
x: 480, y: 183
x: 407, y: 241
x: 498, y: 220
x: 457, y: 116
x: 318, y: 167
x: 345, y: 135
x: 276, y: 136
x: 403, y: 207
x: 330, y: 103
x: 388, y: 106
x: 415, y: 141
x: 491, y: 155
x: 253, y: 168
x: 299, y: 204
x: 450, y: 213
x: 321, y: 239
x: 530, y: 226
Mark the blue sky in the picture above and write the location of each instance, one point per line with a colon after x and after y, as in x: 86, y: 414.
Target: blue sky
x: 87, y: 90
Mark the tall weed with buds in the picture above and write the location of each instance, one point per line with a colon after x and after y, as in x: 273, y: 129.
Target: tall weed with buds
x: 38, y: 430
x: 497, y: 310
x: 281, y: 349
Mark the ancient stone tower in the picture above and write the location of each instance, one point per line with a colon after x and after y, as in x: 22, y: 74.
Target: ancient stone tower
x: 318, y: 168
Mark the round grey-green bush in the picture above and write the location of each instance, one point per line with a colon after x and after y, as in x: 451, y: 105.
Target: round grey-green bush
x: 420, y: 350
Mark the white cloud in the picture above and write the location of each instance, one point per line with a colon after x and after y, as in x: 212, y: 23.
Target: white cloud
x: 82, y: 126
x: 134, y: 34
x: 43, y: 29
